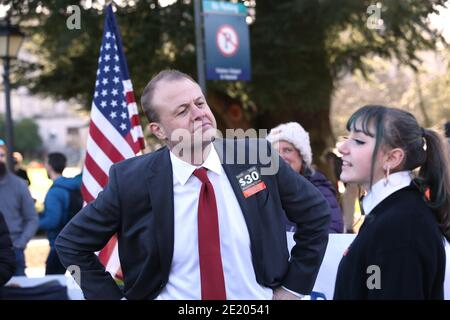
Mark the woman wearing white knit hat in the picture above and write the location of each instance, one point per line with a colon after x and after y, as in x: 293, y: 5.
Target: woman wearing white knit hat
x: 292, y: 143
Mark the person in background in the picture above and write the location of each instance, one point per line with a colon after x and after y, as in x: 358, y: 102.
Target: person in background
x: 56, y: 207
x: 348, y: 203
x: 18, y: 170
x: 17, y: 206
x: 7, y: 256
x: 398, y: 252
x: 292, y: 143
x: 334, y: 162
x: 348, y: 196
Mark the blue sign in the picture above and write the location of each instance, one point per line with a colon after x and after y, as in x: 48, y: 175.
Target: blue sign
x: 226, y: 41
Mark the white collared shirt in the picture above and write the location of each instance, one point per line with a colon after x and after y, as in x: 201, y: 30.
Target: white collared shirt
x: 184, y: 277
x: 380, y: 191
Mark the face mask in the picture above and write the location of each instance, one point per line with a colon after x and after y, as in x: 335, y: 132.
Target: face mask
x: 2, y: 169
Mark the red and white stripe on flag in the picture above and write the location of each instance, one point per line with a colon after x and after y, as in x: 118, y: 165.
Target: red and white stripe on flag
x: 115, y: 132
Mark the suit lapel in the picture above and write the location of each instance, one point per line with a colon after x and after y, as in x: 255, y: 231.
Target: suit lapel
x: 160, y: 188
x: 249, y: 206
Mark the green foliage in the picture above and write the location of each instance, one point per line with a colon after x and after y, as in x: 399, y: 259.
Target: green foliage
x: 399, y: 87
x: 153, y: 39
x: 26, y: 135
x: 296, y: 45
x: 299, y: 48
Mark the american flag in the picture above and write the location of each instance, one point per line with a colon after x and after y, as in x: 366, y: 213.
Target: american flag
x: 115, y: 132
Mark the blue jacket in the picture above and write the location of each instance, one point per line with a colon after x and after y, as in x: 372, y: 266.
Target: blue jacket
x: 56, y: 206
x: 327, y: 190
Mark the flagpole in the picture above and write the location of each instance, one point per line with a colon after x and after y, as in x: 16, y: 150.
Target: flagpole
x: 115, y: 132
x: 142, y: 149
x: 199, y: 45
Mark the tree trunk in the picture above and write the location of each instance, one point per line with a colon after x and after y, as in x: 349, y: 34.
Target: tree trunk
x: 228, y: 112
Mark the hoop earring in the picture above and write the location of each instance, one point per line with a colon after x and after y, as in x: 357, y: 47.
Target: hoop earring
x: 386, y: 176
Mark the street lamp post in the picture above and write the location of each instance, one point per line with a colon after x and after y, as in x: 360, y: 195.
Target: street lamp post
x: 10, y: 41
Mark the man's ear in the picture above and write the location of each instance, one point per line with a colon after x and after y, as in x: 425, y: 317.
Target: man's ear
x: 157, y: 130
x: 394, y: 158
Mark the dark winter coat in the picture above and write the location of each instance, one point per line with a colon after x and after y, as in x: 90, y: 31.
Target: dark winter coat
x: 7, y: 256
x: 327, y: 190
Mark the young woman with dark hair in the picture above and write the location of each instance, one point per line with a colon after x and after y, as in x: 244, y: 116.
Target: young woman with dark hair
x: 399, y: 250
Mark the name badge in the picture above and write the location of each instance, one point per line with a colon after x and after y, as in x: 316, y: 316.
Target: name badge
x: 250, y: 182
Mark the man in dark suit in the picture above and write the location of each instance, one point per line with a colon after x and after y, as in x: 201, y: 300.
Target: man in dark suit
x: 157, y: 203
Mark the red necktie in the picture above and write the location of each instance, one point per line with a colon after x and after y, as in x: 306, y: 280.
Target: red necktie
x: 211, y: 271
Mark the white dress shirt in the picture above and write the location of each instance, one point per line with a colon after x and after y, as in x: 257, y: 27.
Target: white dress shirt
x: 380, y: 191
x: 184, y: 277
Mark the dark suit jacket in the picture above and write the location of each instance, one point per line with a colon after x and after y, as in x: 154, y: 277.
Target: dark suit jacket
x: 138, y: 204
x: 7, y: 256
x: 402, y: 239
